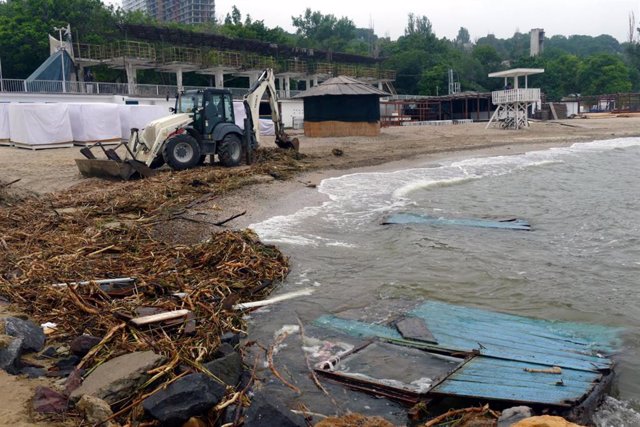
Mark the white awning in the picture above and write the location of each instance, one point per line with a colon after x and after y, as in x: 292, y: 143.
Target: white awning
x: 517, y: 72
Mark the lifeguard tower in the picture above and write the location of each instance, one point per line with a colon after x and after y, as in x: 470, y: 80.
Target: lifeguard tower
x: 513, y: 102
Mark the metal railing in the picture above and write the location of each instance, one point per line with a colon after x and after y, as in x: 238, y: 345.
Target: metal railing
x: 101, y: 88
x: 511, y: 96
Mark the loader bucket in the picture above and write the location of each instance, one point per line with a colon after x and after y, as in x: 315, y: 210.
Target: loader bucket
x: 288, y: 143
x: 111, y: 169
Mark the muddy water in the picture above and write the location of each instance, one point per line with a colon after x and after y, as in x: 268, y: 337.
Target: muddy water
x: 580, y: 263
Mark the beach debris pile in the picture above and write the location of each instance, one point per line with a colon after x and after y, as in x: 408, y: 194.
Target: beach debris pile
x: 131, y: 318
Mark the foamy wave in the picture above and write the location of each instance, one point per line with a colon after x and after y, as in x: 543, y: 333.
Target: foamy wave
x: 616, y: 413
x: 426, y: 184
x: 361, y: 198
x: 606, y: 145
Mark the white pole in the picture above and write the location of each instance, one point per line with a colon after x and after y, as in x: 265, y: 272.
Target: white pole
x: 1, y: 83
x: 64, y: 80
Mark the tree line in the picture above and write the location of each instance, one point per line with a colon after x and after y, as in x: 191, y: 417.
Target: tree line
x: 573, y: 65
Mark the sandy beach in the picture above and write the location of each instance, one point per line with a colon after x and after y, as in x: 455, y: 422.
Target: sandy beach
x: 48, y: 171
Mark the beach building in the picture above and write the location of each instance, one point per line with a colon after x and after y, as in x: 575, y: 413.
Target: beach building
x: 342, y: 106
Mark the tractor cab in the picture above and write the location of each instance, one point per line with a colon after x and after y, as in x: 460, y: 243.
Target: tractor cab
x: 209, y: 108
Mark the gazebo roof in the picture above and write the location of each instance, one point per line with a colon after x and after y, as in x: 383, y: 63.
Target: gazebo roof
x: 341, y: 85
x: 517, y: 72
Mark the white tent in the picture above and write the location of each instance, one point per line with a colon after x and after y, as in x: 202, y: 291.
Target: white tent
x: 138, y: 116
x: 266, y: 125
x: 38, y: 126
x: 95, y: 122
x: 5, y: 130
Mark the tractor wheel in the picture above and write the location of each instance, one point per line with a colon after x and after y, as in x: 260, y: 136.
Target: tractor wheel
x: 230, y: 150
x: 157, y: 162
x: 181, y: 152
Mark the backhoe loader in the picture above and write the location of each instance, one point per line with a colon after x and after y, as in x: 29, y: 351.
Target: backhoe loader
x: 202, y: 124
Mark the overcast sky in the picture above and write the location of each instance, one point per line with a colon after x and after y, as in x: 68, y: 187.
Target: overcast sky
x: 480, y: 17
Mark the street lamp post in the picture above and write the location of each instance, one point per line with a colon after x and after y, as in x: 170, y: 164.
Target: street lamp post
x: 64, y: 79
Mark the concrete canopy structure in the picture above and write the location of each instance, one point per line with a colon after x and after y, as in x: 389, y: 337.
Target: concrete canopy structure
x: 342, y: 106
x: 513, y: 102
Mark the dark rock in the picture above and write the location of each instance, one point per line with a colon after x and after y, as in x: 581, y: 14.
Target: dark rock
x: 266, y: 411
x: 10, y: 351
x: 69, y: 362
x: 31, y: 334
x: 119, y: 377
x: 229, y: 416
x: 245, y: 379
x: 190, y: 396
x: 81, y: 345
x: 225, y: 349
x: 227, y: 368
x: 230, y: 338
x: 33, y: 372
x: 47, y: 401
x: 64, y: 367
x: 73, y: 381
x: 49, y: 353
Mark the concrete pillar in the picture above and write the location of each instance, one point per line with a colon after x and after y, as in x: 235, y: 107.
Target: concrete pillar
x: 308, y: 84
x: 179, y: 79
x: 280, y: 84
x: 315, y: 80
x: 81, y: 78
x: 132, y: 78
x: 380, y: 86
x: 219, y: 79
x: 287, y: 87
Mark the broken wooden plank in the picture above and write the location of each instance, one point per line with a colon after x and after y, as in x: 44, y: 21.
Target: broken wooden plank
x: 120, y: 280
x: 160, y: 317
x: 274, y: 300
x: 414, y: 328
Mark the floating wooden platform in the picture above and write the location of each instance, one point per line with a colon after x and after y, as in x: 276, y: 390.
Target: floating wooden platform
x: 411, y: 218
x: 502, y: 358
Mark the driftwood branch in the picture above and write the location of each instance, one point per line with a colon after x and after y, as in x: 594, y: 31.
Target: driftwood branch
x: 231, y: 218
x: 457, y: 412
x: 279, y: 340
x: 10, y: 183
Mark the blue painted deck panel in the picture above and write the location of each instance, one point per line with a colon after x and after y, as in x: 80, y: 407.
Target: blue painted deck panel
x: 411, y: 218
x: 482, y: 377
x: 506, y: 345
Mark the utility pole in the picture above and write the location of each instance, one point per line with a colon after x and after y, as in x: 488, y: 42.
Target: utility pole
x: 1, y: 82
x: 61, y: 48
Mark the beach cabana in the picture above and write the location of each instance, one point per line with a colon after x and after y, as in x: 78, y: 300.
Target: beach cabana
x: 342, y: 106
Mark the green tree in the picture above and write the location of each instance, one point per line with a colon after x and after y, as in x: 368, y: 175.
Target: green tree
x: 463, y: 38
x: 602, y: 74
x: 24, y: 25
x: 324, y: 31
x: 561, y: 76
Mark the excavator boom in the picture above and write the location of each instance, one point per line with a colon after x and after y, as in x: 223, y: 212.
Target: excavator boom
x: 266, y: 83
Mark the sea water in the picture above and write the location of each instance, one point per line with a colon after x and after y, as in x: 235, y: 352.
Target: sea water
x: 580, y: 262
